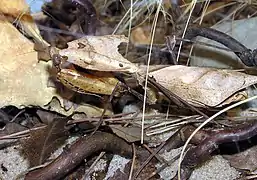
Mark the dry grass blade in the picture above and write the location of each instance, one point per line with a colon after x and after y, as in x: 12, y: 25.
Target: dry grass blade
x: 205, y: 13
x: 147, y: 70
x: 91, y: 168
x: 171, y: 125
x: 133, y: 162
x: 137, y: 9
x: 192, y: 6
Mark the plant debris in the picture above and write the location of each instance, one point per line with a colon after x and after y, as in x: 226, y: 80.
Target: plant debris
x: 43, y: 142
x: 116, y: 76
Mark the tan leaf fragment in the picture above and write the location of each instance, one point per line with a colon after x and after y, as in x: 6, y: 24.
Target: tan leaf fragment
x: 23, y: 79
x: 14, y: 8
x: 18, y: 11
x: 203, y: 86
x: 139, y: 36
x: 99, y: 53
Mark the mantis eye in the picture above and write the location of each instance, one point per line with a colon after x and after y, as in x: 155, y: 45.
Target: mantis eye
x: 59, y: 60
x: 56, y: 59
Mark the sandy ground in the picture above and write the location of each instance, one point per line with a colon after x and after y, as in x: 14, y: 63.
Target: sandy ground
x: 14, y: 166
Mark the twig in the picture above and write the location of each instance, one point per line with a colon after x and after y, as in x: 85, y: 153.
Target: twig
x: 247, y: 56
x: 80, y: 150
x: 148, y: 160
x: 202, y: 152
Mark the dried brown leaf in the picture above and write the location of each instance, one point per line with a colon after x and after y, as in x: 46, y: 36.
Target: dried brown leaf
x: 42, y: 142
x: 23, y: 79
x: 245, y: 160
x: 130, y: 134
x: 10, y: 128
